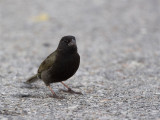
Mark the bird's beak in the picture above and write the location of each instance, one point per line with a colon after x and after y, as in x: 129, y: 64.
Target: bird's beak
x: 73, y: 42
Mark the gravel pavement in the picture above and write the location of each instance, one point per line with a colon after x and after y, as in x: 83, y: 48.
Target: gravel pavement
x: 119, y: 45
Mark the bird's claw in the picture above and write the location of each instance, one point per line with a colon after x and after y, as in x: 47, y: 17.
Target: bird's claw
x: 57, y: 97
x: 72, y: 92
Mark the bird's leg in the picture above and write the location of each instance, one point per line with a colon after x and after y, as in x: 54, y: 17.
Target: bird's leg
x: 54, y: 94
x: 69, y: 89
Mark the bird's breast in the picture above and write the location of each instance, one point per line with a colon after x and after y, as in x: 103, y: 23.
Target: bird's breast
x: 65, y: 67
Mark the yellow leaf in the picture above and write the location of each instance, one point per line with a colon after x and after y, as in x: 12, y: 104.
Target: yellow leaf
x: 41, y: 18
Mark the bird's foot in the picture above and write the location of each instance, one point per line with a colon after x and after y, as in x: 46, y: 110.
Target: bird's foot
x: 72, y: 91
x: 57, y: 97
x: 54, y: 94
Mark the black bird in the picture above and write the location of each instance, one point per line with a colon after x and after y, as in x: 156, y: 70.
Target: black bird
x: 59, y: 65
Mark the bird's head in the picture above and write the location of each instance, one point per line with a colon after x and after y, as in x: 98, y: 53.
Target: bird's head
x: 68, y: 44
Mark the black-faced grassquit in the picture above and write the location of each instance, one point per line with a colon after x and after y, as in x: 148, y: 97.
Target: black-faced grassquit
x: 59, y: 65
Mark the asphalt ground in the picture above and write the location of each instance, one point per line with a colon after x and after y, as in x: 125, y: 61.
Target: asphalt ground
x: 119, y: 45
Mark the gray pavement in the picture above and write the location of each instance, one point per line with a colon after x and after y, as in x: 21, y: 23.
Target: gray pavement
x: 119, y: 44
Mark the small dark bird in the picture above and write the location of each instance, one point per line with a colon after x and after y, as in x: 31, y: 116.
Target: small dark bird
x: 59, y: 65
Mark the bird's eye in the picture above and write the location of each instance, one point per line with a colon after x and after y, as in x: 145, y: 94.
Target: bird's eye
x: 67, y: 41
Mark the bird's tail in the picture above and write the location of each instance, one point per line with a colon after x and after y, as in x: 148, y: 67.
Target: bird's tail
x: 32, y: 79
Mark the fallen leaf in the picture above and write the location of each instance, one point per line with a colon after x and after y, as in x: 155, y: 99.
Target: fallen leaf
x: 41, y: 18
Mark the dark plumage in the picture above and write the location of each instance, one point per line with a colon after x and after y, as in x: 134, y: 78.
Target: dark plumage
x: 59, y: 65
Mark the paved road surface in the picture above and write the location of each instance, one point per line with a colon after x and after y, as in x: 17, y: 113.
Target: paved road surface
x: 119, y: 44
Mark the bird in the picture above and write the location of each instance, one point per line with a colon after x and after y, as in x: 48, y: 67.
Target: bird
x: 60, y: 65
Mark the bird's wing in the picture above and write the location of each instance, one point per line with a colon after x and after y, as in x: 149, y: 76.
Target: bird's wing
x: 47, y: 63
